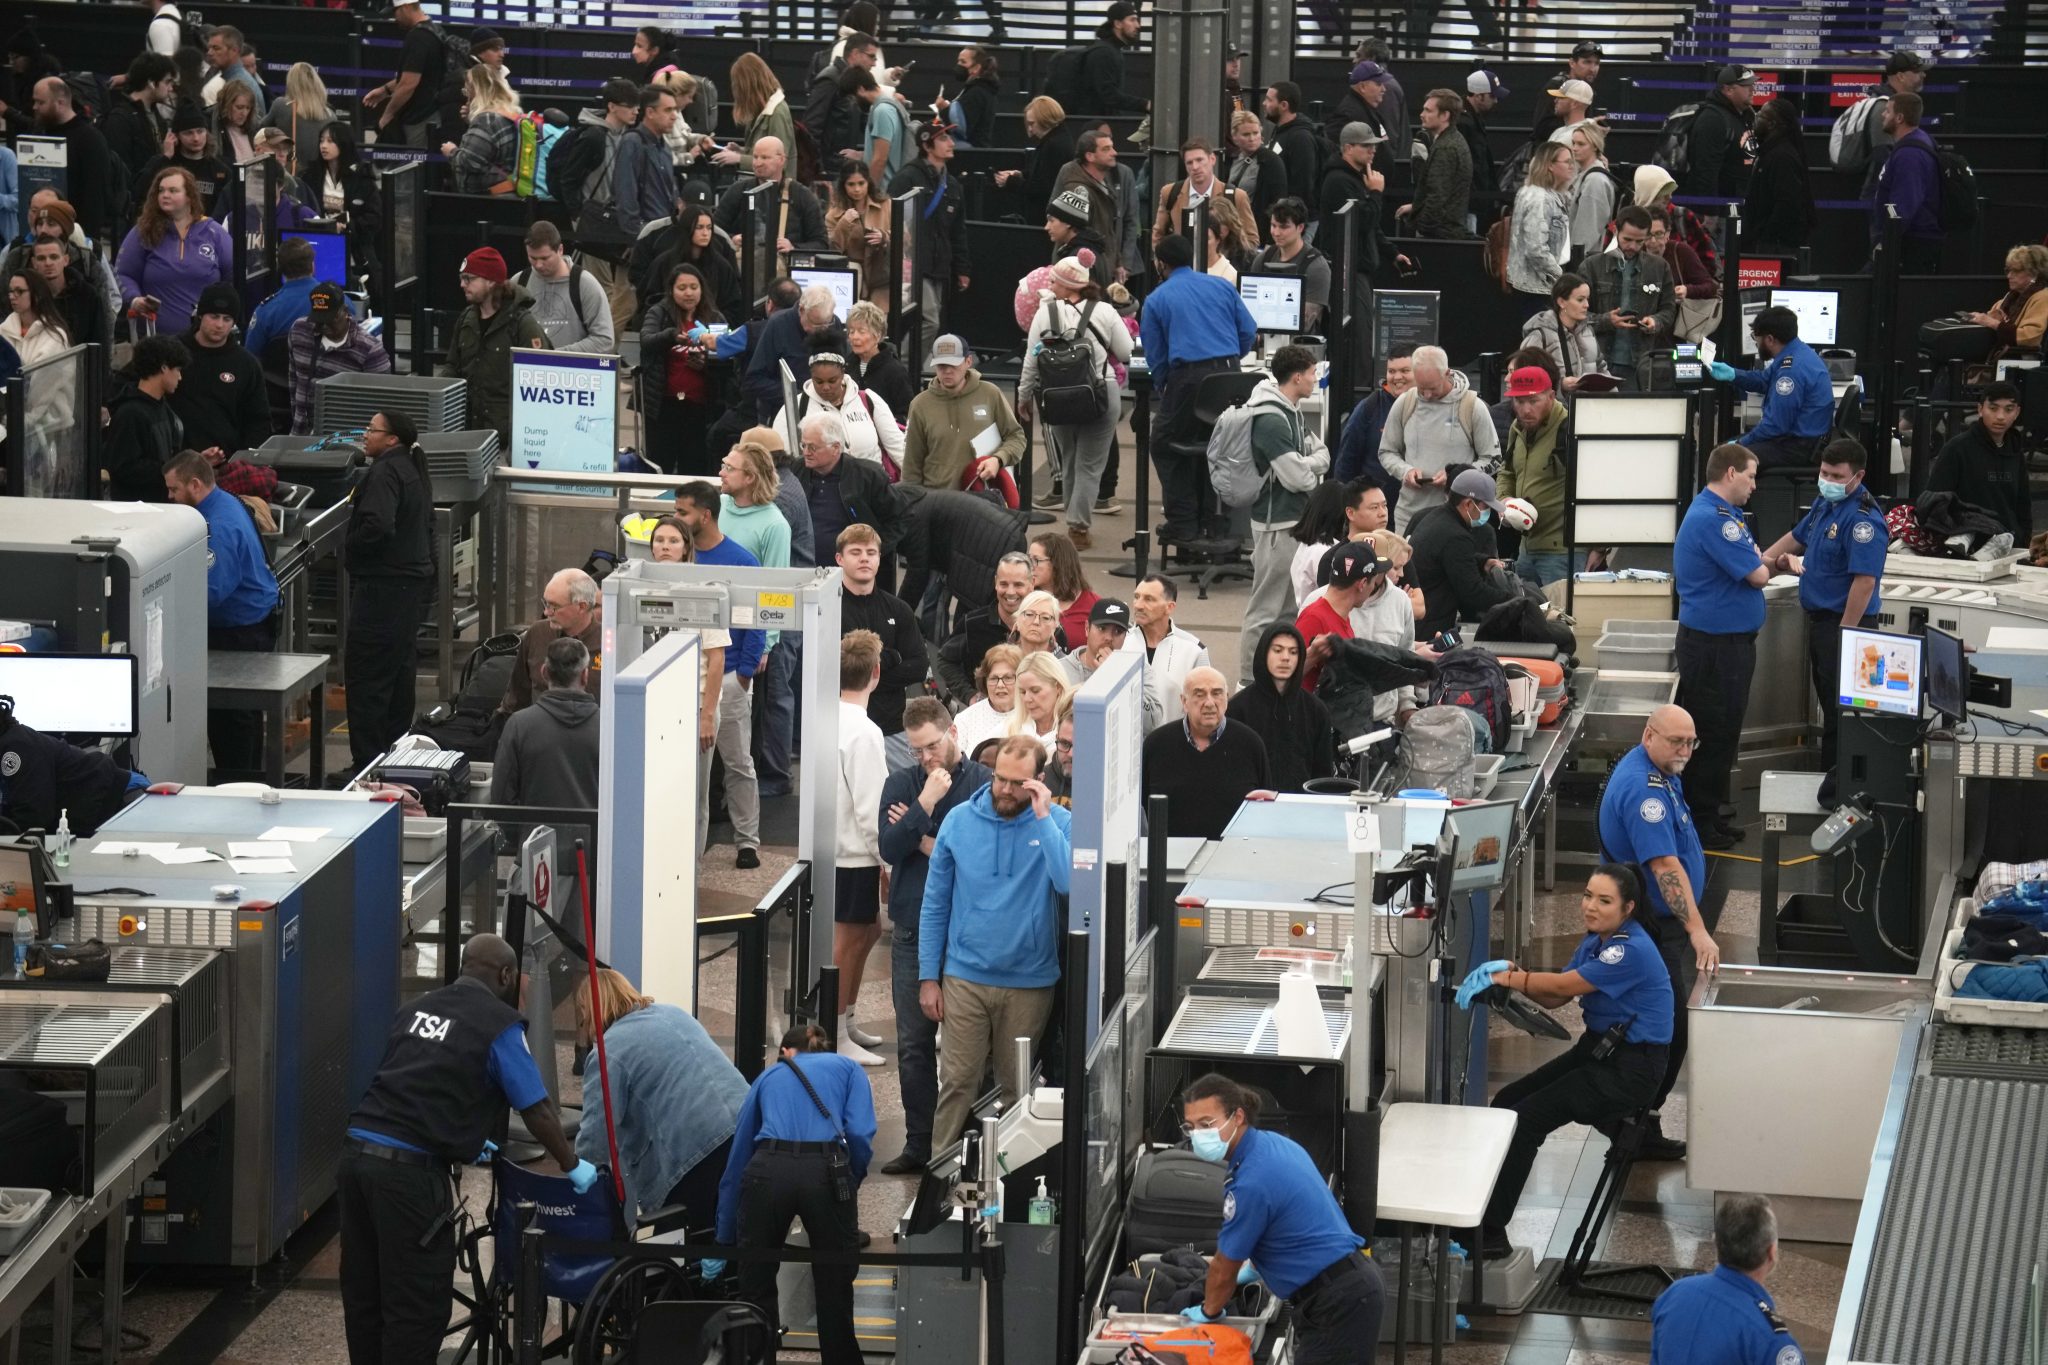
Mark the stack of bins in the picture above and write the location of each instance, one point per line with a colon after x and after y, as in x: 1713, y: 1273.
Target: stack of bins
x: 1638, y: 647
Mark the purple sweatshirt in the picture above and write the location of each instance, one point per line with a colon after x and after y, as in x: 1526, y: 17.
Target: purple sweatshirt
x: 1911, y: 182
x: 175, y: 270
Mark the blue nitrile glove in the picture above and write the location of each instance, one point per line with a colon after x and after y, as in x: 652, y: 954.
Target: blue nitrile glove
x: 1194, y: 1312
x: 490, y: 1150
x: 1724, y: 373
x: 583, y: 1177
x: 1478, y: 980
x: 1247, y: 1273
x: 712, y: 1267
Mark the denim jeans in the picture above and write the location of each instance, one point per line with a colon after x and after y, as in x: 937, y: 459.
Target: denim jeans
x: 1543, y: 567
x: 777, y: 709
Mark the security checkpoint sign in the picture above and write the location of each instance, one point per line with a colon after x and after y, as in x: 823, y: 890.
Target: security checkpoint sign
x: 43, y: 165
x: 565, y: 412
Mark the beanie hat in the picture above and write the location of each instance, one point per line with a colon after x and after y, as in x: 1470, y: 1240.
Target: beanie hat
x: 1070, y: 206
x: 62, y: 214
x: 219, y: 298
x: 486, y: 264
x: 1069, y: 271
x: 187, y: 116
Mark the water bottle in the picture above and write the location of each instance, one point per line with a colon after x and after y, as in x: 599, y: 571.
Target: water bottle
x: 24, y: 934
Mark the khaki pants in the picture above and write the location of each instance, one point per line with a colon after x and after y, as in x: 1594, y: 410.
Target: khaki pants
x: 980, y: 1019
x: 618, y: 291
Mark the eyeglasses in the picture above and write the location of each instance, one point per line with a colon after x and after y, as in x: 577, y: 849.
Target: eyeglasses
x: 935, y: 748
x: 1065, y: 746
x: 1687, y: 742
x: 1042, y: 617
x: 1005, y: 678
x: 1037, y: 560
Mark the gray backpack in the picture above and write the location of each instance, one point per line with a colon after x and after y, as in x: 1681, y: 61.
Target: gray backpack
x: 1441, y: 744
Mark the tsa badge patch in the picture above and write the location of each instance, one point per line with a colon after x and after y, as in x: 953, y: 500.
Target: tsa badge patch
x: 1731, y: 531
x: 1613, y: 953
x: 1863, y: 533
x: 1652, y: 810
x: 1785, y: 386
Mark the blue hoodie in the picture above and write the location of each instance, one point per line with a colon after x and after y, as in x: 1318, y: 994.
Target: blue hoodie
x: 988, y: 913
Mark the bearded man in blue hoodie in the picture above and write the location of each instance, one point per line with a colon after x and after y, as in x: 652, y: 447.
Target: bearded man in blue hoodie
x: 987, y: 936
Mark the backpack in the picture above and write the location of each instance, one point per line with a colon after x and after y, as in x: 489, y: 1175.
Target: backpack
x: 1232, y: 470
x: 1070, y: 388
x: 575, y: 156
x: 191, y: 32
x: 1674, y: 144
x: 469, y: 722
x: 88, y: 94
x: 1437, y: 750
x: 1495, y: 255
x: 1474, y: 679
x: 525, y: 277
x: 1468, y: 410
x: 1515, y: 173
x: 456, y: 60
x: 1959, y: 209
x: 1849, y: 141
x: 1196, y: 1343
x: 1063, y: 78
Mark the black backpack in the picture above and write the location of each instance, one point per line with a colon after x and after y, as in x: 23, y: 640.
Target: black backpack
x: 1674, y: 145
x: 1063, y: 78
x: 1474, y: 679
x: 1070, y: 387
x: 1959, y: 209
x: 575, y: 157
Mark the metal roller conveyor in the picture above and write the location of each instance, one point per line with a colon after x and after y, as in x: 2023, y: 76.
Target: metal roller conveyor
x: 197, y: 981
x: 1956, y: 1245
x: 1224, y: 1026
x: 110, y: 1064
x: 1988, y: 1053
x: 1246, y: 965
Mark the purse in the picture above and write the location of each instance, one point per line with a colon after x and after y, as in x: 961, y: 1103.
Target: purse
x: 88, y: 961
x: 838, y: 1161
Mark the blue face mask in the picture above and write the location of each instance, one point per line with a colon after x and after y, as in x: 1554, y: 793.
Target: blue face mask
x: 1833, y: 492
x: 1209, y: 1144
x: 1485, y: 515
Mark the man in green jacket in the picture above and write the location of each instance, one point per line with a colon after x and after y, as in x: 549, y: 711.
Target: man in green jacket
x: 1292, y: 460
x: 498, y: 319
x: 960, y: 424
x: 1534, y: 471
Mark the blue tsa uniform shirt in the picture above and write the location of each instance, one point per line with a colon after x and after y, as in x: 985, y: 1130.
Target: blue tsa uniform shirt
x: 1643, y: 815
x: 1799, y: 398
x: 240, y: 589
x: 1279, y: 1214
x: 779, y: 1108
x: 1721, y: 1318
x: 1841, y: 541
x: 1630, y: 985
x: 1715, y: 553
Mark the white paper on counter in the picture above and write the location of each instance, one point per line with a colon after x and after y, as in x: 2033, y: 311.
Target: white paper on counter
x: 260, y: 848
x: 292, y: 834
x: 257, y: 867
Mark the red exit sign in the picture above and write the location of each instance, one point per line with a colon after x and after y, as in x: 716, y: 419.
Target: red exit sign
x: 1759, y: 274
x: 1847, y: 87
x: 1766, y: 88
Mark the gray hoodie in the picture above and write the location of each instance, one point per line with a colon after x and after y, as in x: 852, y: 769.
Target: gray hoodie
x: 548, y: 755
x: 1431, y: 435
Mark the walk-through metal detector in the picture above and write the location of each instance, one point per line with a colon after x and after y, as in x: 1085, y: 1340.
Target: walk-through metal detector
x: 647, y: 822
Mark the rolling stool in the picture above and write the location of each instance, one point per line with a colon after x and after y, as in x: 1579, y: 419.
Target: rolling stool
x: 1205, y: 560
x: 1624, y: 1140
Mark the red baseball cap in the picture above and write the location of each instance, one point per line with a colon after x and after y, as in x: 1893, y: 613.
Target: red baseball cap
x: 1528, y: 381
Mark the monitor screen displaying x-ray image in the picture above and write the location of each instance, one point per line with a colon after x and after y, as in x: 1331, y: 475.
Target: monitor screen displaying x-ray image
x: 1485, y: 833
x: 1879, y: 672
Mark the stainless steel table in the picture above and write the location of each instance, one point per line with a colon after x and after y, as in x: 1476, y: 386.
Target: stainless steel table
x: 270, y: 683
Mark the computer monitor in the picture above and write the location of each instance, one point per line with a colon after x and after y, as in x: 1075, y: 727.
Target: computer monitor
x: 1485, y: 834
x: 24, y: 877
x: 1274, y: 301
x: 72, y: 694
x: 1879, y: 672
x: 845, y: 293
x: 1948, y: 675
x: 330, y: 254
x: 1817, y: 310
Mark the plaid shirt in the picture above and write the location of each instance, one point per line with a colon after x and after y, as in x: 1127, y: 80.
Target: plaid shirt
x: 312, y: 361
x: 246, y: 480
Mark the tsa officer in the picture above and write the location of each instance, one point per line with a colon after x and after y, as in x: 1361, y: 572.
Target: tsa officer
x: 1720, y: 576
x: 806, y: 1133
x: 390, y: 561
x: 1644, y: 823
x: 241, y: 596
x: 1799, y: 396
x: 1843, y: 539
x: 1281, y: 1224
x: 1617, y: 1064
x: 457, y: 1056
x: 1727, y: 1317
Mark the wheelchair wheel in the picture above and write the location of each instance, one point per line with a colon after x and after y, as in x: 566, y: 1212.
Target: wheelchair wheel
x: 604, y: 1325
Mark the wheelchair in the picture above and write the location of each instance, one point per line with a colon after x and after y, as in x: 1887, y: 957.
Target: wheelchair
x: 621, y: 1311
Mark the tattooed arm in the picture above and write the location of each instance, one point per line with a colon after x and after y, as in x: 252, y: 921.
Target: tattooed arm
x: 1677, y: 895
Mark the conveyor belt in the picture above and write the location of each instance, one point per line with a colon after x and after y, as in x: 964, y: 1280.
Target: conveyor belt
x: 1962, y: 1228
x: 1988, y: 1053
x: 1219, y: 1026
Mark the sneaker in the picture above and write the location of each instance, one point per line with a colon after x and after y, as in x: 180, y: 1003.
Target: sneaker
x: 748, y: 857
x: 1657, y: 1147
x: 850, y: 1049
x: 1079, y: 535
x: 1051, y: 500
x: 1105, y: 507
x: 849, y: 1029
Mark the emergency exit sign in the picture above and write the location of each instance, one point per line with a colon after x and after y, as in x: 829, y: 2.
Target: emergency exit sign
x: 1759, y: 274
x: 1847, y: 87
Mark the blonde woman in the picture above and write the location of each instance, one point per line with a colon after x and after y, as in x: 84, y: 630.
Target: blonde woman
x: 488, y: 155
x: 676, y: 1099
x: 1540, y: 232
x: 758, y: 107
x: 1038, y: 623
x: 304, y: 112
x: 1594, y: 191
x: 996, y: 679
x: 234, y: 124
x: 684, y: 145
x: 1041, y: 686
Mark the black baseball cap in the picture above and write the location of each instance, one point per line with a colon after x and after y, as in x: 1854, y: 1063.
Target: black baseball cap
x: 1588, y: 48
x: 1108, y: 611
x: 1354, y: 562
x: 1904, y: 61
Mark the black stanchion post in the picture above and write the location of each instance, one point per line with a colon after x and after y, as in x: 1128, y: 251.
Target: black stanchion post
x: 750, y: 998
x: 828, y: 1001
x: 992, y: 1277
x: 1883, y: 402
x: 451, y: 904
x: 1073, y: 1236
x: 530, y: 1304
